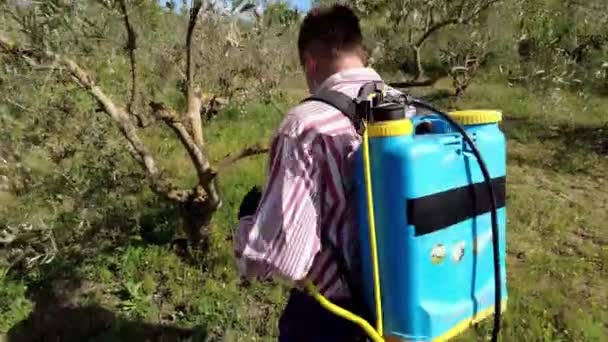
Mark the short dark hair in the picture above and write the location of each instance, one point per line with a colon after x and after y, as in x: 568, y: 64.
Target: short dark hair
x: 330, y: 31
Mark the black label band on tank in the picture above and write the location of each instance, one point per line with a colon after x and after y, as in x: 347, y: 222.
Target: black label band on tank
x: 431, y: 213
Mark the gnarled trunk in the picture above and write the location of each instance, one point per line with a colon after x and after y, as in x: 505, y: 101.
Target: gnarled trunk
x: 197, y: 212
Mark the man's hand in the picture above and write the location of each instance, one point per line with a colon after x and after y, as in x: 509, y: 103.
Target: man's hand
x: 250, y: 202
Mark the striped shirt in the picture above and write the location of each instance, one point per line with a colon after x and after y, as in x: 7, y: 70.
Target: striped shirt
x: 309, y: 190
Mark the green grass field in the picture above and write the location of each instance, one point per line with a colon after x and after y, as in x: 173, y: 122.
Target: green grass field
x: 116, y: 278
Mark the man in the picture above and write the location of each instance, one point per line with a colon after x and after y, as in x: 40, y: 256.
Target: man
x: 303, y: 226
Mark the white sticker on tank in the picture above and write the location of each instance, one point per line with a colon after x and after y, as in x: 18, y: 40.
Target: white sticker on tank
x: 482, y: 241
x: 458, y: 251
x: 438, y: 254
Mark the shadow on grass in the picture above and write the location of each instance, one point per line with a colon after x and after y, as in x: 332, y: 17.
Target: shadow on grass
x: 56, y: 319
x: 569, y: 148
x: 62, y: 312
x: 576, y: 138
x: 67, y: 307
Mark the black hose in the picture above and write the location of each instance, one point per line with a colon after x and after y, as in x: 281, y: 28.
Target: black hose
x: 488, y: 181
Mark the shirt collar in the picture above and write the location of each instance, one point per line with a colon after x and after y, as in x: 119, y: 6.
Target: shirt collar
x: 350, y: 75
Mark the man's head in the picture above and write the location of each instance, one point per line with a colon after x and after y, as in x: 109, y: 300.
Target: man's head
x: 330, y: 41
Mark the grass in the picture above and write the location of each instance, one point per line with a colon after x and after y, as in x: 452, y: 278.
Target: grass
x: 116, y: 277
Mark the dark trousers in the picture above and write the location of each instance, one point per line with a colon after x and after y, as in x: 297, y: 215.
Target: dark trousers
x: 304, y: 319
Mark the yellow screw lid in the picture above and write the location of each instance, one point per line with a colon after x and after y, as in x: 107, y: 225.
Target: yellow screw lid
x: 390, y: 128
x: 476, y: 117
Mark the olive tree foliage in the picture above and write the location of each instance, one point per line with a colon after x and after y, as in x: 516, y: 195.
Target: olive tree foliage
x: 138, y: 64
x: 263, y: 49
x: 561, y: 43
x: 399, y: 32
x: 463, y: 59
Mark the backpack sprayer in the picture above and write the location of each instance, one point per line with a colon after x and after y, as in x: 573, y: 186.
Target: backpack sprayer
x: 426, y: 217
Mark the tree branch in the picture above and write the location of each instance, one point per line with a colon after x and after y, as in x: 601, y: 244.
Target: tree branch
x: 131, y: 46
x: 482, y: 7
x: 135, y: 146
x: 18, y: 105
x: 461, y: 8
x: 431, y: 29
x: 205, y: 173
x: 414, y: 83
x: 195, y: 143
x: 247, y: 152
x: 105, y: 3
x: 459, y: 19
x: 169, y: 117
x: 194, y: 11
x: 193, y: 112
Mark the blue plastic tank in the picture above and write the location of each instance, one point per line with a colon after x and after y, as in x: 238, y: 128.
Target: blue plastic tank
x: 433, y: 226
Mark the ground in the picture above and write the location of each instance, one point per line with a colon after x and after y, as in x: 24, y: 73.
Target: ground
x: 118, y: 278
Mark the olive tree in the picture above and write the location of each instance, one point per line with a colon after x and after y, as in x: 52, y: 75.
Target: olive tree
x: 57, y: 38
x: 400, y: 30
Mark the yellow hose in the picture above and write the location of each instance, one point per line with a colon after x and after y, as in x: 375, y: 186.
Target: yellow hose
x: 372, y: 230
x: 374, y: 334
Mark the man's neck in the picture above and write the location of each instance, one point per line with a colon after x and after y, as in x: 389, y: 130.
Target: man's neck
x: 340, y: 65
x: 346, y: 63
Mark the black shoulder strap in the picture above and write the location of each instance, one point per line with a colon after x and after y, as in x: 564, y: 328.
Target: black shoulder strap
x: 336, y: 99
x: 345, y: 104
x: 341, y: 102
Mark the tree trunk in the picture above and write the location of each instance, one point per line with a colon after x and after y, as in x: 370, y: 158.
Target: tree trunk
x: 420, y: 75
x: 197, y: 212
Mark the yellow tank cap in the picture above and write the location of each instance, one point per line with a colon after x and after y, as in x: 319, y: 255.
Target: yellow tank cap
x: 476, y: 117
x: 390, y: 128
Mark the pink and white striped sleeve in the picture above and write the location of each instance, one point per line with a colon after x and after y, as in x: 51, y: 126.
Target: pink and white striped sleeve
x: 282, y: 238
